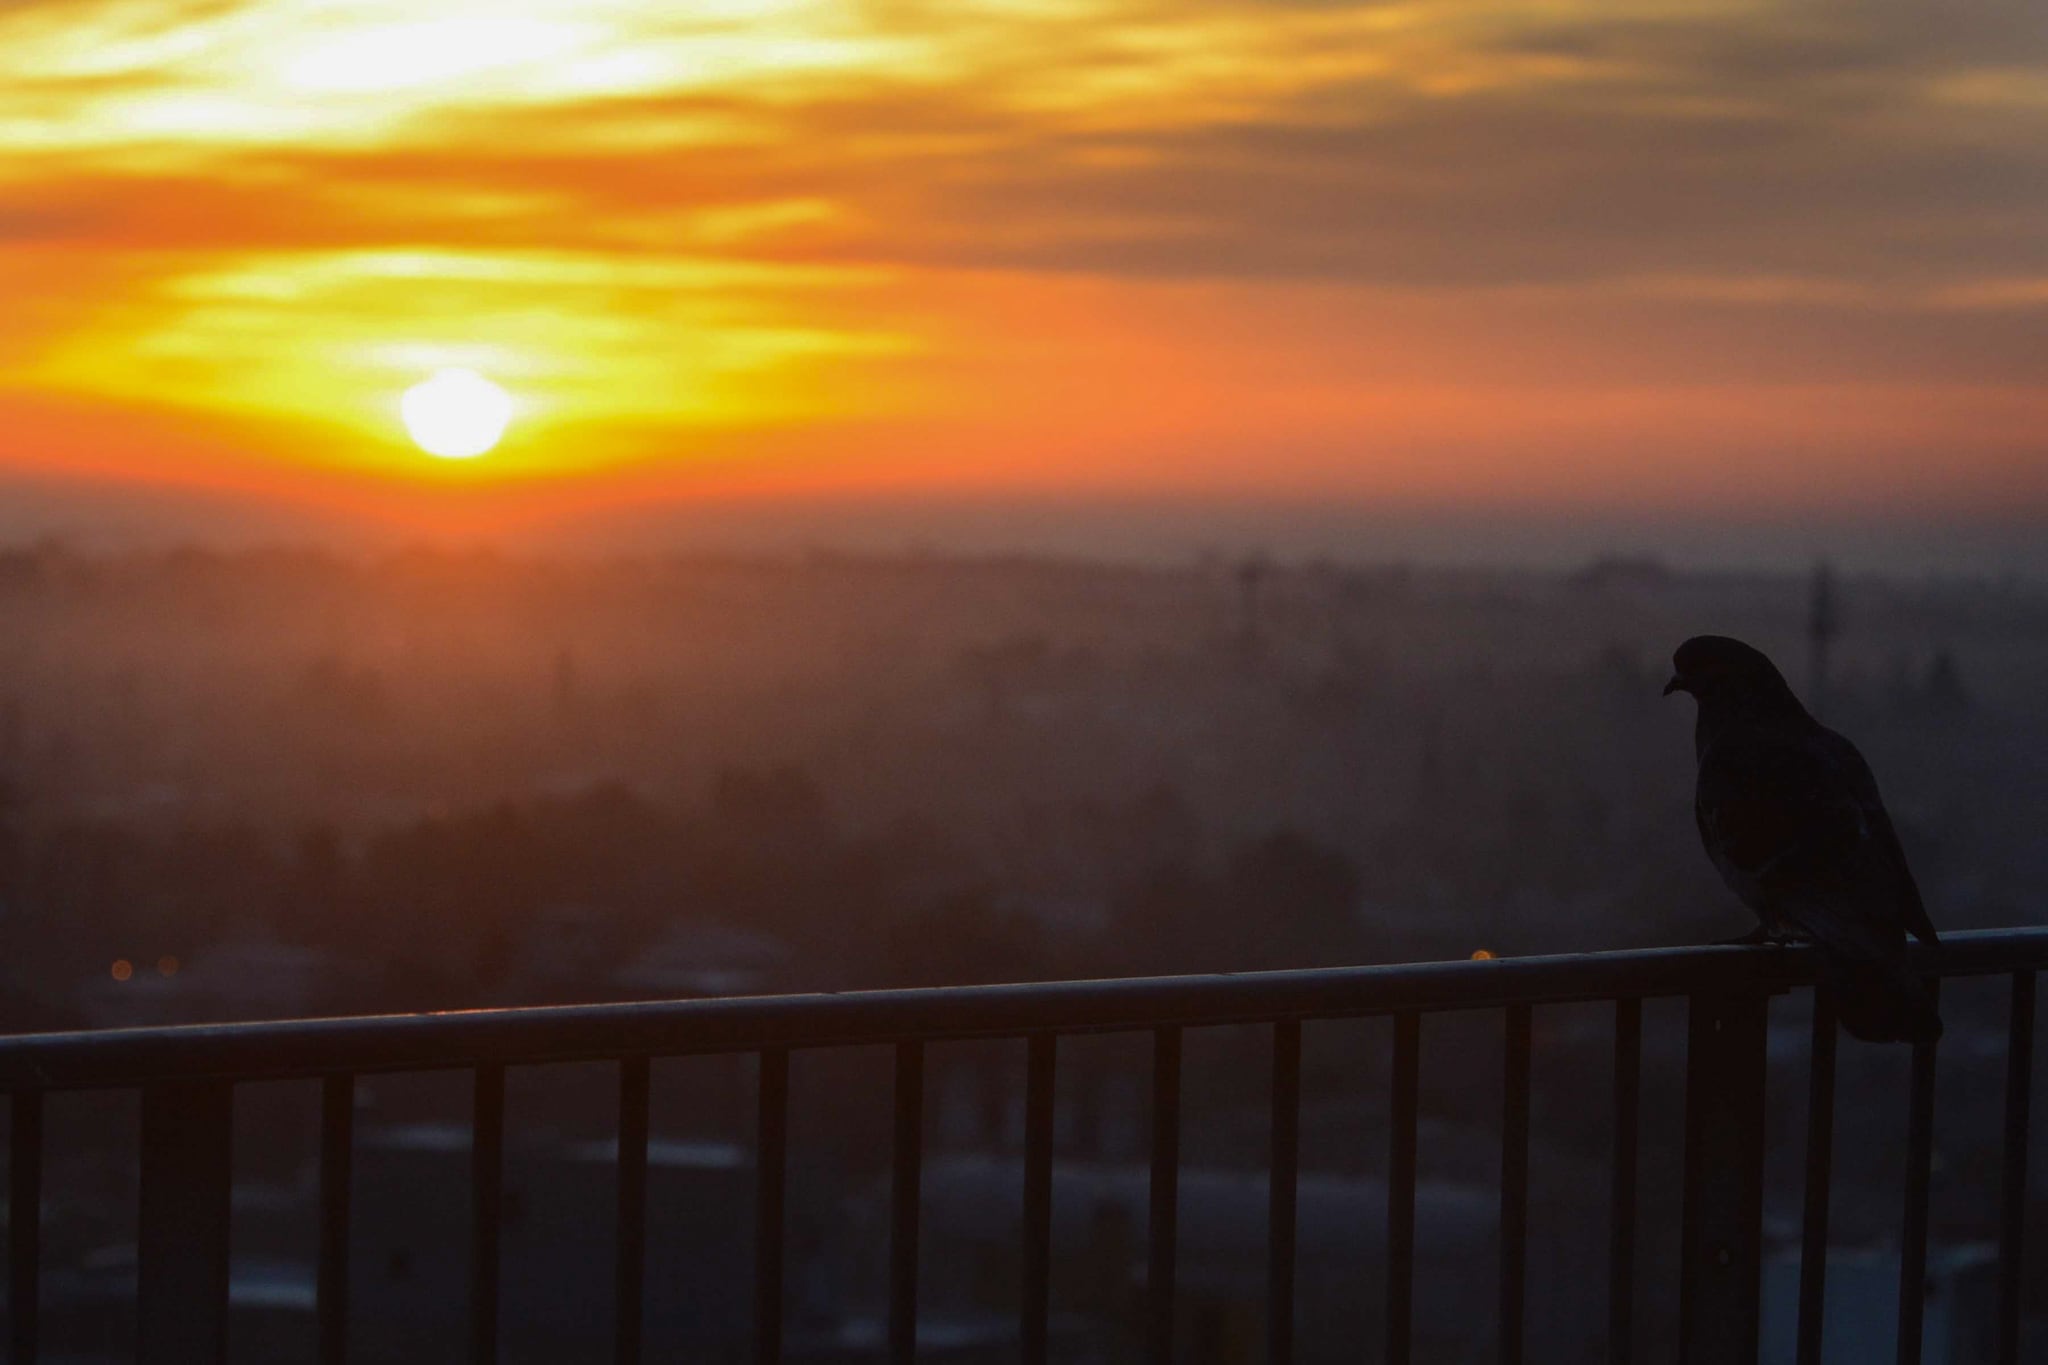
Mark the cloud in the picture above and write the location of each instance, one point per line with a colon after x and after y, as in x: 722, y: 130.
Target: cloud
x: 1414, y: 144
x: 788, y: 213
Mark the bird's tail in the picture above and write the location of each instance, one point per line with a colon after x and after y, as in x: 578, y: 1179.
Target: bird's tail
x: 1880, y: 1001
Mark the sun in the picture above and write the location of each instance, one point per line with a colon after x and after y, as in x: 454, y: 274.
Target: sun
x: 456, y: 414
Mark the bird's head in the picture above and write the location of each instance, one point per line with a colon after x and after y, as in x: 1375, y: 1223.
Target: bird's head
x: 1720, y: 672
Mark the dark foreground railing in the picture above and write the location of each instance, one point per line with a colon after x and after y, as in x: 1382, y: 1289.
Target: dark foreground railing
x: 187, y: 1078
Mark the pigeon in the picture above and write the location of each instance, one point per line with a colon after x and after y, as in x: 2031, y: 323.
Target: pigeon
x: 1791, y: 817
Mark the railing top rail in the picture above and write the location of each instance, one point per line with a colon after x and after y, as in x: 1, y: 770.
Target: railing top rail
x: 568, y: 1033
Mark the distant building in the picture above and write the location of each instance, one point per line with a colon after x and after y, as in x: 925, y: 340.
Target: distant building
x: 409, y: 1265
x: 1861, y: 1321
x: 972, y: 1230
x: 700, y: 959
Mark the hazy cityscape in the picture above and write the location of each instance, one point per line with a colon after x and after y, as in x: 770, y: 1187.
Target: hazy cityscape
x: 259, y: 784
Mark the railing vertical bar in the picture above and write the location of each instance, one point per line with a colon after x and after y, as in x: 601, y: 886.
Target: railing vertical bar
x: 1621, y: 1241
x: 771, y: 1176
x: 337, y: 1168
x: 1164, y: 1230
x: 629, y: 1264
x: 1919, y: 1175
x: 2012, y: 1194
x: 1721, y: 1206
x: 1514, y: 1183
x: 905, y: 1197
x: 1281, y: 1190
x: 24, y: 1225
x: 1401, y: 1190
x: 487, y: 1200
x: 182, y: 1232
x: 1040, y: 1059
x: 1820, y: 1157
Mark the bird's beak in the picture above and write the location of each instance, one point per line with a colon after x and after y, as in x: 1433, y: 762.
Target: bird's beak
x: 1677, y: 684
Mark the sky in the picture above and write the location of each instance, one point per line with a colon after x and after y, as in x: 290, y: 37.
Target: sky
x: 1592, y: 263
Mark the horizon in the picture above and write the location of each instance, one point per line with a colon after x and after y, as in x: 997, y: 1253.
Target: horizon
x: 1159, y: 533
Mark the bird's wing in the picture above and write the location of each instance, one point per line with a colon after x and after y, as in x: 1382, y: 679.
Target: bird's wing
x: 1863, y: 783
x: 1782, y: 815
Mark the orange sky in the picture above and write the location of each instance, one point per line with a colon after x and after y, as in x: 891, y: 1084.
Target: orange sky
x: 1748, y: 257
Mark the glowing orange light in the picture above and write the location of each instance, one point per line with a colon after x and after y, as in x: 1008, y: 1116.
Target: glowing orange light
x: 167, y: 966
x: 123, y: 969
x: 1482, y: 956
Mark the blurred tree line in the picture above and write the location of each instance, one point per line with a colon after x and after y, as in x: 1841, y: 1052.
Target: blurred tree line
x: 466, y: 907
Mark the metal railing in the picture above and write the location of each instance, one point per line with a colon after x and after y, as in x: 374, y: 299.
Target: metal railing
x: 187, y: 1075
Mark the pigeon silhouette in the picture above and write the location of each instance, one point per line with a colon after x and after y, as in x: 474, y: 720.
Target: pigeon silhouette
x: 1791, y: 816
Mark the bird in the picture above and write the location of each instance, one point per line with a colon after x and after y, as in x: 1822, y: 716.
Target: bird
x: 1791, y: 817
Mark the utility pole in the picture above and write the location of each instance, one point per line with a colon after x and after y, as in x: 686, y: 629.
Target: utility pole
x: 1823, y: 624
x: 1251, y: 576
